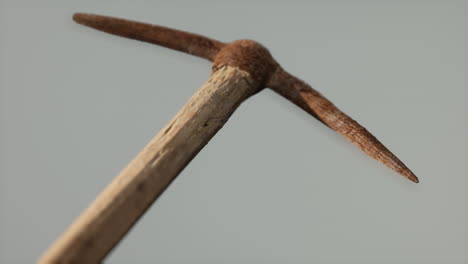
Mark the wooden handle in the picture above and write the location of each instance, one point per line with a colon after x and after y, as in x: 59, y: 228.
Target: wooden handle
x: 101, y: 226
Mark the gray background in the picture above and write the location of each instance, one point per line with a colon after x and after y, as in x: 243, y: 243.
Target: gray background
x: 274, y: 185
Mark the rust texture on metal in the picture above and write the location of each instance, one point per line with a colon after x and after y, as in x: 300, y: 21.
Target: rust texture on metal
x: 170, y: 38
x: 254, y: 58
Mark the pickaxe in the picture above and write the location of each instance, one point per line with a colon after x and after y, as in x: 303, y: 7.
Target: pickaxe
x: 240, y: 69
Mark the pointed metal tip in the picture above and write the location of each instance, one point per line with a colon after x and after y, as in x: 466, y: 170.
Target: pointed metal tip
x: 414, y: 178
x: 410, y: 175
x: 79, y: 17
x: 86, y: 19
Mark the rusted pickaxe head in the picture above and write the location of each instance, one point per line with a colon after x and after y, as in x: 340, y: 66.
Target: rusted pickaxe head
x: 255, y: 59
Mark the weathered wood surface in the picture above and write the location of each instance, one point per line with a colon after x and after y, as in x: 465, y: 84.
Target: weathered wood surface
x: 101, y: 226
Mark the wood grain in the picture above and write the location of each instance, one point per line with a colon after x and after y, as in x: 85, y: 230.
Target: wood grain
x: 101, y: 226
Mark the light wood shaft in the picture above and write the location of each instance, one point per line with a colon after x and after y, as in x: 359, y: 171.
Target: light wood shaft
x: 104, y: 223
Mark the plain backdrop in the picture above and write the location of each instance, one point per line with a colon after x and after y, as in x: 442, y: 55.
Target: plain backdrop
x: 274, y: 185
